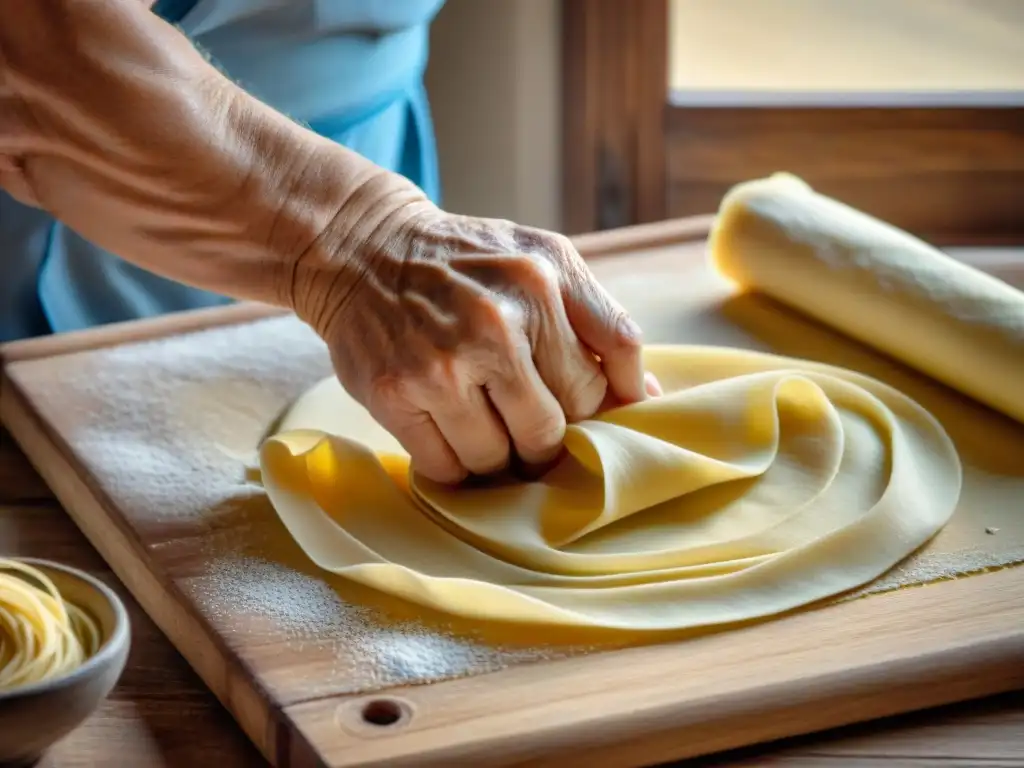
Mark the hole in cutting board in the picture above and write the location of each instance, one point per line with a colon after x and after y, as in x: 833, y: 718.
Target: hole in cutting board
x: 382, y: 712
x: 374, y: 716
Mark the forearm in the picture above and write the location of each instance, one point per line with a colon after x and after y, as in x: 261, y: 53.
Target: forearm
x: 127, y: 134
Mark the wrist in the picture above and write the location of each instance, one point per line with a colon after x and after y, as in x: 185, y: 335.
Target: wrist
x: 365, y: 226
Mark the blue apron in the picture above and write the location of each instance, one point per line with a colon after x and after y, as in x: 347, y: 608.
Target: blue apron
x: 351, y: 70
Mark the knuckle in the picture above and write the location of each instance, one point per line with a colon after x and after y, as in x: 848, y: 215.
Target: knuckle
x: 442, y: 378
x: 627, y: 332
x: 486, y: 311
x: 415, y: 394
x: 544, y: 433
x: 586, y: 395
x: 560, y: 246
x: 489, y: 458
x: 495, y: 323
x: 539, y: 277
x: 387, y: 393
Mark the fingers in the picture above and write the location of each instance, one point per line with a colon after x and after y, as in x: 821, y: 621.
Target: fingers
x: 569, y: 369
x: 466, y: 436
x: 652, y: 385
x: 474, y: 431
x: 533, y: 286
x: 604, y: 326
x: 533, y: 416
x: 430, y: 452
x: 445, y: 422
x: 527, y: 343
x: 449, y: 435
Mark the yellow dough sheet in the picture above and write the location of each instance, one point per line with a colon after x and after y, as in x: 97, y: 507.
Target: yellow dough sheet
x: 758, y: 484
x: 763, y: 485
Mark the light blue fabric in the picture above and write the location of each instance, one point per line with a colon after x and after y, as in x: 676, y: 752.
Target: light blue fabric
x: 352, y: 70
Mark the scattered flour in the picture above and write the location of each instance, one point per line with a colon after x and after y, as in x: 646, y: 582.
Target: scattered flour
x: 168, y: 429
x: 362, y: 649
x: 928, y: 568
x: 297, y: 605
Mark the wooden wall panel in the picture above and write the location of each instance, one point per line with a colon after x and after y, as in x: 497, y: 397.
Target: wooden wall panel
x: 952, y: 175
x: 949, y: 175
x: 615, y: 58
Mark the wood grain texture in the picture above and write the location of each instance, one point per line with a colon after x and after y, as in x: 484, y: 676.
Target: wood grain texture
x: 810, y: 671
x: 950, y: 176
x: 126, y: 553
x: 615, y: 72
x: 160, y: 713
x: 19, y: 482
x: 980, y: 734
x: 130, y: 331
x: 162, y: 716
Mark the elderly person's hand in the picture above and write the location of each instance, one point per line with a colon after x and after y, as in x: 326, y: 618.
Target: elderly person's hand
x: 471, y: 340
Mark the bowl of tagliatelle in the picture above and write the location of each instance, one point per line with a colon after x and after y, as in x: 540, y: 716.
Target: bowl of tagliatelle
x: 64, y: 639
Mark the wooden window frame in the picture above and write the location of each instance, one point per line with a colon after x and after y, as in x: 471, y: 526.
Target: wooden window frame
x: 953, y: 175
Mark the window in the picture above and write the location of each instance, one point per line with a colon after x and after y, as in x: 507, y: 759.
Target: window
x: 912, y: 110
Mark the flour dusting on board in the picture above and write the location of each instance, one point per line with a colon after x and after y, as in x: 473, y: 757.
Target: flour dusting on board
x: 929, y: 568
x: 357, y: 642
x: 168, y: 431
x: 165, y: 425
x: 297, y: 605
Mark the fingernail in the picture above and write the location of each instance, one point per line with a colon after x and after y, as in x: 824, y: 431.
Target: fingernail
x: 629, y: 329
x: 653, y: 386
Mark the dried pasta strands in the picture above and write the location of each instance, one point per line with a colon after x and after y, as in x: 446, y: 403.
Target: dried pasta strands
x: 42, y: 636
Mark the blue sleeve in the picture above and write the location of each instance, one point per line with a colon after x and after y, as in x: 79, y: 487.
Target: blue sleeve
x: 173, y: 11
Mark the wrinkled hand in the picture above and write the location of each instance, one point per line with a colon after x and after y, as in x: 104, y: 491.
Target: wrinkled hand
x: 473, y: 341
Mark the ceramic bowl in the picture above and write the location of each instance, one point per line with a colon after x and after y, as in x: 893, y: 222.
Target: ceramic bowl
x: 34, y: 717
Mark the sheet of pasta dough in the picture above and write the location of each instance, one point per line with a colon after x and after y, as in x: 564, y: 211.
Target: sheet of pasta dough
x: 757, y: 484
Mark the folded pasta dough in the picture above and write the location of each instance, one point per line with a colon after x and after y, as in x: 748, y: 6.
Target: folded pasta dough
x: 877, y: 284
x: 756, y: 485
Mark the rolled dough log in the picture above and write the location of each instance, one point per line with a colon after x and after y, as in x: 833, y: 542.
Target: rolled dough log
x: 877, y: 284
x: 756, y: 485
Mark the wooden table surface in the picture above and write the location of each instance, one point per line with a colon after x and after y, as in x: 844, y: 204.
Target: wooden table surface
x: 160, y: 714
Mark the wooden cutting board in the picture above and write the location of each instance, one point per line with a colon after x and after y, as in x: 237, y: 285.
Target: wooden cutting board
x: 145, y: 431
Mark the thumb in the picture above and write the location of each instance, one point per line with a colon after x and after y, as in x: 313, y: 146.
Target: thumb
x: 606, y: 328
x: 652, y: 385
